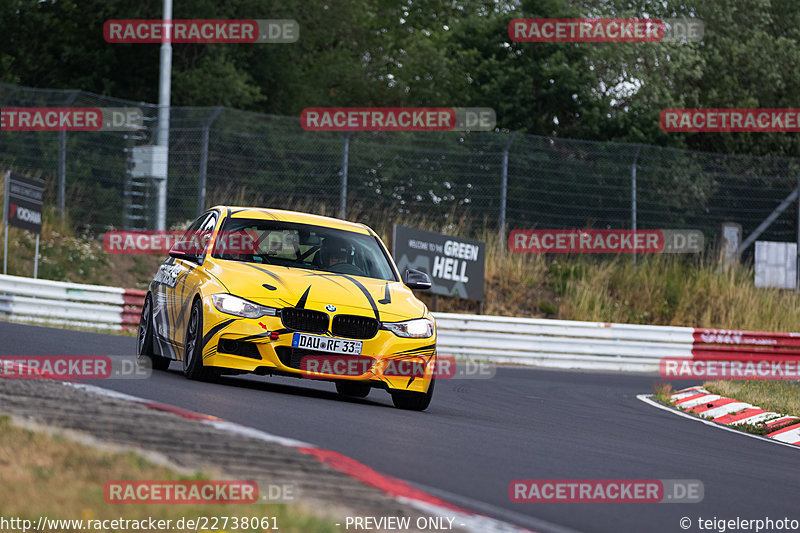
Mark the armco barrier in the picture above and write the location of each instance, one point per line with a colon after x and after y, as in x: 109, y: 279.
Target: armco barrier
x: 561, y: 343
x: 599, y: 345
x: 74, y: 304
x: 531, y: 341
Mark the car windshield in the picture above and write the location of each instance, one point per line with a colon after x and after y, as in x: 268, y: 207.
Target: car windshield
x: 309, y: 247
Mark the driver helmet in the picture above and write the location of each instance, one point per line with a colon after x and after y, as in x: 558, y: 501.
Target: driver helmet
x: 335, y: 248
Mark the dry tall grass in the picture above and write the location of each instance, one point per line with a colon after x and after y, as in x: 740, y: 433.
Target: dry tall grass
x: 660, y: 289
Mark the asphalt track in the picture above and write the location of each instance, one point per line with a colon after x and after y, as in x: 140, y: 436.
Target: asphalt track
x: 479, y: 435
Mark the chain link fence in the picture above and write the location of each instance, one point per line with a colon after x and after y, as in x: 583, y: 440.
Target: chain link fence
x: 225, y: 156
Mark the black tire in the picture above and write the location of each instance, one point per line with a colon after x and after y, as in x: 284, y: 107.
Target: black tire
x: 354, y: 389
x: 144, y: 339
x: 193, y: 347
x: 413, y: 401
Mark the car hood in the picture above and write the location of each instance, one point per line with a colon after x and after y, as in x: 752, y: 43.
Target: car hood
x: 278, y: 286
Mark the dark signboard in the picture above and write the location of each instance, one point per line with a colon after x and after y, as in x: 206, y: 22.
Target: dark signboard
x: 24, y: 202
x: 455, y: 265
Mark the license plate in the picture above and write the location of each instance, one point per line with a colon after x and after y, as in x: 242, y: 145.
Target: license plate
x: 319, y: 343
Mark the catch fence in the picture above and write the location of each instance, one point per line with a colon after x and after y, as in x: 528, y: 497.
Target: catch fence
x: 493, y: 179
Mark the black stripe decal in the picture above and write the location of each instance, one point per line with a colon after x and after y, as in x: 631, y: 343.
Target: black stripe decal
x: 301, y: 303
x: 367, y: 294
x: 329, y: 276
x: 267, y: 272
x: 420, y: 349
x: 213, y: 331
x: 357, y: 284
x: 266, y: 212
x: 210, y: 352
x: 257, y: 336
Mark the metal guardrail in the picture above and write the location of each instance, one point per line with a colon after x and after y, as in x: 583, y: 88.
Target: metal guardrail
x: 532, y: 341
x: 73, y: 304
x: 561, y: 343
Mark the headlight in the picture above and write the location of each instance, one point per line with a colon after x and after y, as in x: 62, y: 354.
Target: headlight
x: 233, y: 305
x: 419, y: 328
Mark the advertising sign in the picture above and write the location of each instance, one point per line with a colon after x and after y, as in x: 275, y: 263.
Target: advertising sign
x: 24, y: 202
x: 455, y: 264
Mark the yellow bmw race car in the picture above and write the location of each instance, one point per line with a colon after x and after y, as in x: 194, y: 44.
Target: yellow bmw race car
x: 284, y: 293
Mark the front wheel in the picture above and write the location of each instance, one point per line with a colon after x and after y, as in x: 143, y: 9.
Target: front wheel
x: 144, y: 339
x: 193, y: 347
x: 413, y: 401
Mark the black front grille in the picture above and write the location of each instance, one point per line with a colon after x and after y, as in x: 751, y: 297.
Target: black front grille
x: 326, y: 363
x: 304, y: 320
x: 354, y: 326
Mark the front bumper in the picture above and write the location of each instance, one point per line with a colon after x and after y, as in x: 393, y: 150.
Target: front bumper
x: 264, y: 346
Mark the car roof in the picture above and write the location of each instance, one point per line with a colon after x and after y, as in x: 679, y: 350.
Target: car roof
x: 259, y: 213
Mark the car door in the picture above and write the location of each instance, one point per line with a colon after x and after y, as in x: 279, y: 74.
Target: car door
x: 173, y: 285
x: 188, y: 278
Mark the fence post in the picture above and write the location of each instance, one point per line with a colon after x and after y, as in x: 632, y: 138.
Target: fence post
x: 504, y: 195
x: 633, y: 194
x: 201, y: 187
x: 62, y: 173
x: 797, y: 259
x: 345, y: 163
x: 164, y: 91
x: 62, y: 162
x: 5, y: 221
x: 784, y: 205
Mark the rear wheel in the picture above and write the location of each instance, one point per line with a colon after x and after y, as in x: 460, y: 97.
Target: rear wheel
x: 193, y: 347
x: 353, y: 388
x: 144, y: 339
x: 413, y: 401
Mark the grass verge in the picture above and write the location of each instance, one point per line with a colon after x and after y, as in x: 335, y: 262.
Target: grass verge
x: 779, y: 396
x: 51, y: 476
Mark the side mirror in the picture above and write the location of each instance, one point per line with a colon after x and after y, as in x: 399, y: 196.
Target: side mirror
x: 179, y: 251
x: 415, y: 279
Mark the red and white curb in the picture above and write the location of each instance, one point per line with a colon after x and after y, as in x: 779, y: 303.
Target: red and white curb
x: 397, y: 489
x: 730, y: 413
